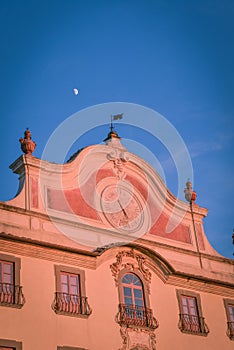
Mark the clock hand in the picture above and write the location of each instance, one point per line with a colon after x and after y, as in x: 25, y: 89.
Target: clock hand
x: 125, y: 214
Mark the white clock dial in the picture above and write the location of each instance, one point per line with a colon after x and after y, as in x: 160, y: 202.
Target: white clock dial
x: 122, y: 208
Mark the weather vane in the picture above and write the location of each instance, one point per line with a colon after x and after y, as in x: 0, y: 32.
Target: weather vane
x: 115, y: 117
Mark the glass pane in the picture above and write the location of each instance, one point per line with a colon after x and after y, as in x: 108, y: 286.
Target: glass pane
x: 136, y: 281
x: 231, y: 312
x: 193, y: 311
x: 128, y: 301
x: 64, y: 288
x: 7, y: 268
x: 127, y: 278
x: 64, y: 278
x: 64, y: 282
x: 138, y: 302
x: 6, y: 272
x: 7, y: 279
x: 74, y: 280
x: 138, y: 293
x: 127, y: 291
x: 74, y: 290
x: 191, y: 302
x: 184, y: 305
x: 192, y: 306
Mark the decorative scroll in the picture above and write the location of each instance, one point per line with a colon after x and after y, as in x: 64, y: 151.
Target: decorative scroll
x: 137, y: 339
x: 119, y: 159
x: 133, y: 261
x: 137, y: 334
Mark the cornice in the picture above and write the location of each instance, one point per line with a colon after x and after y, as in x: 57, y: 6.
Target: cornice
x: 147, y: 242
x: 143, y: 241
x: 86, y: 259
x: 43, y: 250
x: 202, y: 284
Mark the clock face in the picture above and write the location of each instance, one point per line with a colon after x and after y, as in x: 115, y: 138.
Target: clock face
x: 122, y: 208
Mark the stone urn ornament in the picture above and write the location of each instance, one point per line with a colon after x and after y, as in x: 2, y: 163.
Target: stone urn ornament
x: 190, y: 194
x: 27, y: 145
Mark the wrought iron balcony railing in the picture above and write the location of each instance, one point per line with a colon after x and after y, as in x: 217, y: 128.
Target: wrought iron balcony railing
x: 70, y: 304
x: 230, y: 330
x: 193, y: 324
x: 11, y: 295
x: 137, y: 316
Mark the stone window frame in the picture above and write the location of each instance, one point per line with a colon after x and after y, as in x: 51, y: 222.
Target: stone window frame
x: 72, y: 270
x: 58, y: 269
x: 16, y: 261
x: 227, y: 302
x: 136, y: 272
x: 151, y: 321
x: 11, y: 344
x: 188, y: 293
x: 17, y: 266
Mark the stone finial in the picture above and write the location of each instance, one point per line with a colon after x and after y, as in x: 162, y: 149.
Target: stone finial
x: 112, y: 134
x: 190, y: 195
x: 27, y: 145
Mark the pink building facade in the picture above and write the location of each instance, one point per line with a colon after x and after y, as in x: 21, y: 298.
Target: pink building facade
x: 97, y: 253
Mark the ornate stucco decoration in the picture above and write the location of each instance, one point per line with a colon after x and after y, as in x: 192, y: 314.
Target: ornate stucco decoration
x: 135, y: 336
x: 137, y: 339
x: 119, y: 159
x: 133, y: 261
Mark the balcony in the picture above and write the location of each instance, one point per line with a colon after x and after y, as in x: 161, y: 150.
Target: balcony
x: 136, y: 316
x: 70, y: 304
x: 230, y: 330
x: 193, y: 324
x: 11, y: 295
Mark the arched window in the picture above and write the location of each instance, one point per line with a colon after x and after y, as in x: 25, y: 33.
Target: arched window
x: 132, y: 308
x: 133, y: 290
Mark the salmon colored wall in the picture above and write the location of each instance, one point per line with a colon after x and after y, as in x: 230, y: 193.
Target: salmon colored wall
x: 38, y: 327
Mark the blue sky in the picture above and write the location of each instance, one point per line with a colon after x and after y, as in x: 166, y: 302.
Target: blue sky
x: 175, y: 57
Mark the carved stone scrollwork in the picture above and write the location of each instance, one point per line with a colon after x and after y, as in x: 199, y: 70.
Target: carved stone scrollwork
x: 133, y: 261
x: 124, y: 335
x: 137, y: 339
x: 152, y: 341
x: 137, y: 334
x: 119, y: 159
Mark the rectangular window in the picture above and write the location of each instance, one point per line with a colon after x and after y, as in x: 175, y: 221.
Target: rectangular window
x: 70, y: 283
x: 10, y: 345
x: 70, y: 298
x: 229, y: 306
x: 70, y: 293
x: 6, y: 272
x: 10, y: 289
x: 6, y: 282
x: 190, y: 314
x: 191, y: 320
x: 231, y: 312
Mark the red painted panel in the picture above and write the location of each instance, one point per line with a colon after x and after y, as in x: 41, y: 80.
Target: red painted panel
x: 180, y: 233
x: 199, y: 236
x: 34, y: 192
x: 140, y: 186
x: 70, y: 201
x: 104, y: 173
